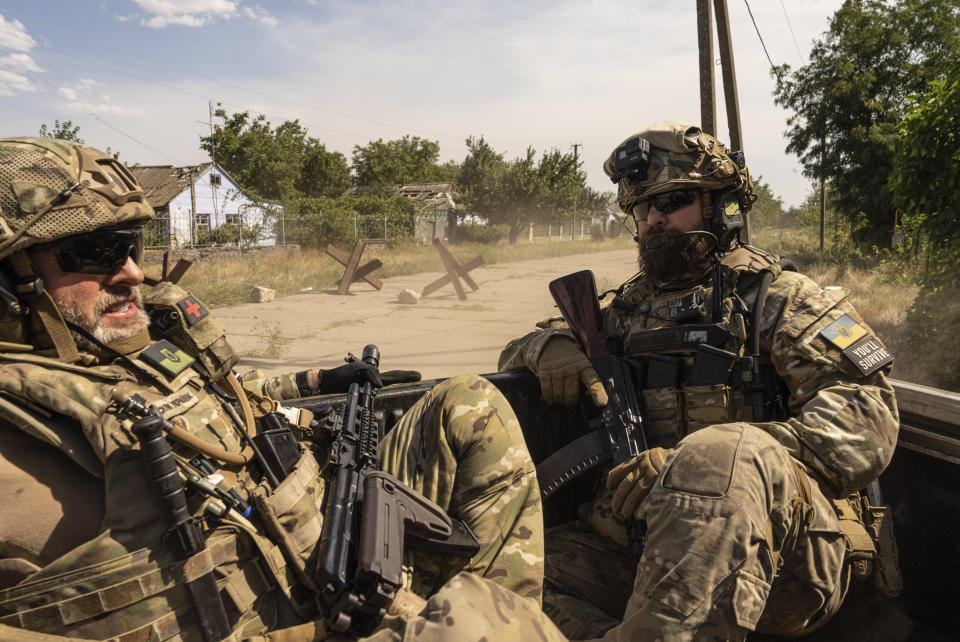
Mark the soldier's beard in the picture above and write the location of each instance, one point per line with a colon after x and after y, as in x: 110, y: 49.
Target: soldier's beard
x: 682, y: 259
x: 92, y: 321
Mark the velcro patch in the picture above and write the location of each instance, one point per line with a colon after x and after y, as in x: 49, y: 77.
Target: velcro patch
x: 843, y: 332
x: 167, y: 358
x: 868, y: 355
x: 192, y: 310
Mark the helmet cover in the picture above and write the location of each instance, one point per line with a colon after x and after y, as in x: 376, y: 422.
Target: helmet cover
x: 51, y: 189
x: 680, y: 156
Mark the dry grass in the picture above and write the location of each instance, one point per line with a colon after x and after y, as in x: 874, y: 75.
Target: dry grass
x: 882, y: 291
x: 228, y: 281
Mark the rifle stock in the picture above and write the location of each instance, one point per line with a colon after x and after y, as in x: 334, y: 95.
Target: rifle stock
x: 576, y: 296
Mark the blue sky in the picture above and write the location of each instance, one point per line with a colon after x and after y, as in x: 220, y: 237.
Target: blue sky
x: 137, y: 75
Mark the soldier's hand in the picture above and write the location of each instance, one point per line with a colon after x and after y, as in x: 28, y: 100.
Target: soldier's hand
x: 561, y: 369
x: 633, y: 480
x: 337, y: 380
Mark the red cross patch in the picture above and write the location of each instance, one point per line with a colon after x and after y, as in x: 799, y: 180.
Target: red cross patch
x: 192, y: 311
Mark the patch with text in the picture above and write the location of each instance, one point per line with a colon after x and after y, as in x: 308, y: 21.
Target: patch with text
x: 868, y: 355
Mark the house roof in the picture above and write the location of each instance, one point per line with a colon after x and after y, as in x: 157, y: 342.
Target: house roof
x: 162, y: 183
x: 440, y: 193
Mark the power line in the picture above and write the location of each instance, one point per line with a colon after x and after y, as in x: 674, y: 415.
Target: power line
x: 254, y: 91
x: 79, y: 106
x: 793, y: 35
x: 757, y: 29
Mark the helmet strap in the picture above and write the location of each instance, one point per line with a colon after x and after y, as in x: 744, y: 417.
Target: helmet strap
x: 50, y: 319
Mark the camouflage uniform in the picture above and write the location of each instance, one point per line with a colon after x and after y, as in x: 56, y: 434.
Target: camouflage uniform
x: 86, y: 556
x: 742, y: 532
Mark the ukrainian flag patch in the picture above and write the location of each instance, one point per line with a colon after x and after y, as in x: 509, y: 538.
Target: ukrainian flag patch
x: 843, y: 332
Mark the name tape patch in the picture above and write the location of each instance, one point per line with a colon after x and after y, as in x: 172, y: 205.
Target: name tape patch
x: 167, y: 358
x: 843, y: 332
x: 192, y: 310
x: 868, y: 355
x: 176, y: 404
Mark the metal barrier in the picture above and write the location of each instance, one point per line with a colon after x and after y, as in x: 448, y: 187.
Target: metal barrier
x: 929, y: 420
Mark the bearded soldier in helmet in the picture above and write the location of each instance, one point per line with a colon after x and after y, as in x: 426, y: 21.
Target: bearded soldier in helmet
x: 766, y: 407
x: 86, y: 546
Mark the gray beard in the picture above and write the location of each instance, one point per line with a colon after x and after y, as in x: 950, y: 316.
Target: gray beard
x: 109, y: 297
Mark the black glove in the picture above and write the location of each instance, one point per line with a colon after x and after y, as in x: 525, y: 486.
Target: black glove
x: 391, y: 377
x: 337, y: 380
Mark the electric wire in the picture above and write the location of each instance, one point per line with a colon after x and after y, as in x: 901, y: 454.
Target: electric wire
x: 53, y: 90
x: 254, y: 91
x: 792, y: 34
x: 762, y: 44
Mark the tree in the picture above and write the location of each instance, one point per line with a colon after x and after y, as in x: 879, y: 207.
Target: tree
x: 410, y: 159
x: 848, y: 99
x: 275, y: 163
x: 768, y: 208
x: 65, y: 130
x: 925, y: 182
x: 518, y: 192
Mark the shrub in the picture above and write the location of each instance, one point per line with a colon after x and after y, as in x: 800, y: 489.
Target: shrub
x: 481, y: 233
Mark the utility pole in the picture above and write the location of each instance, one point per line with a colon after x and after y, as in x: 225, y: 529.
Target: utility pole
x: 708, y: 107
x: 707, y: 85
x: 576, y: 161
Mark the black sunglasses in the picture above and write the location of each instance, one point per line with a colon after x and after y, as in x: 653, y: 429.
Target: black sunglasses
x: 100, y: 252
x: 666, y: 203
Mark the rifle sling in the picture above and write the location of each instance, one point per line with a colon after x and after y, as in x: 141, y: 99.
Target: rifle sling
x: 580, y: 455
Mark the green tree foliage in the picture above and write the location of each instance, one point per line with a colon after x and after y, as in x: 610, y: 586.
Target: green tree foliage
x: 410, y: 159
x: 848, y: 99
x: 768, y: 208
x: 925, y: 182
x: 275, y: 163
x: 316, y: 221
x: 518, y: 192
x: 65, y: 130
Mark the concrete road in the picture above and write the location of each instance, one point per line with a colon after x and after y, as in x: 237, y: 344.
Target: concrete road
x: 440, y: 336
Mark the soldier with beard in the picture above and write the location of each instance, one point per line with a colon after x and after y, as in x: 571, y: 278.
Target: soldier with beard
x: 86, y: 547
x: 765, y: 404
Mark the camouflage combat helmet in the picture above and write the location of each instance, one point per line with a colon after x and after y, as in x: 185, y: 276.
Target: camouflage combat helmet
x: 672, y: 155
x: 52, y: 189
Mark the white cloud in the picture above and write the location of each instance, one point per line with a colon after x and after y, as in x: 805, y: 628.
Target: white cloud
x: 260, y: 14
x: 82, y: 96
x: 13, y: 35
x: 20, y: 62
x: 197, y: 13
x: 12, y: 84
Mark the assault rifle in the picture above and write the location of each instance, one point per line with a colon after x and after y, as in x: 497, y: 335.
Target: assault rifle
x: 620, y: 434
x: 370, y: 517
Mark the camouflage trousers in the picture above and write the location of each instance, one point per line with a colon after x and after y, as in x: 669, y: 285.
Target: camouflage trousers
x: 739, y: 539
x: 461, y: 447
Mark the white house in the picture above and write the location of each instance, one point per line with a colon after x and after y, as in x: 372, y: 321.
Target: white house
x: 191, y: 201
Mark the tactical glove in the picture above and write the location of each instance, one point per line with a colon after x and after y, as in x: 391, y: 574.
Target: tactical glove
x: 338, y: 380
x: 561, y: 368
x: 633, y: 480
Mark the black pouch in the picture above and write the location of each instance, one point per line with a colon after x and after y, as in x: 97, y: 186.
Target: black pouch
x: 711, y: 366
x: 279, y: 447
x: 663, y: 371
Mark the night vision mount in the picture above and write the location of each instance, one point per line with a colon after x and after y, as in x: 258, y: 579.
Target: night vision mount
x: 631, y: 160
